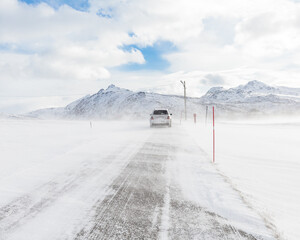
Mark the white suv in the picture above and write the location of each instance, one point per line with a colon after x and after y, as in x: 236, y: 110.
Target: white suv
x: 161, y: 117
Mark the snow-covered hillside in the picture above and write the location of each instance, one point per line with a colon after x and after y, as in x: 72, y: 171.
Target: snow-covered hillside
x: 253, y: 91
x: 117, y: 103
x: 254, y: 98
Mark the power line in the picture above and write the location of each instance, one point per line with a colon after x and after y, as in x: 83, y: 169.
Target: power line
x: 184, y: 86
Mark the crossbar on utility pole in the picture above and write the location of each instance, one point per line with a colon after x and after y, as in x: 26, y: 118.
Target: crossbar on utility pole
x: 184, y: 86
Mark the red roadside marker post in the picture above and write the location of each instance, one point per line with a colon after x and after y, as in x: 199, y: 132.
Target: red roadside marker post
x: 195, y: 117
x: 214, y: 134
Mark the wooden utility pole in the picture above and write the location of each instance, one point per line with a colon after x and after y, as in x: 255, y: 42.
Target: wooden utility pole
x: 184, y: 86
x: 214, y: 141
x: 206, y: 115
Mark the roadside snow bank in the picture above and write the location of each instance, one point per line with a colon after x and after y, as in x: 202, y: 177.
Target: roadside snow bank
x: 262, y: 161
x: 201, y: 183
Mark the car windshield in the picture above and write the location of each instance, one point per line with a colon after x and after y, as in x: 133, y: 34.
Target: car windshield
x: 160, y: 112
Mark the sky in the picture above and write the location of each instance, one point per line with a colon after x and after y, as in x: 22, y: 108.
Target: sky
x: 55, y: 51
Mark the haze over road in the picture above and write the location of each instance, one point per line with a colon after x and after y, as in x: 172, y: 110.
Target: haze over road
x: 123, y: 184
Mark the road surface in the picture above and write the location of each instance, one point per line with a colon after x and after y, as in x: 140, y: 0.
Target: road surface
x: 130, y: 193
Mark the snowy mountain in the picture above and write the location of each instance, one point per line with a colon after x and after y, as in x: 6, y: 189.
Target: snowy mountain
x: 254, y: 97
x: 117, y: 103
x: 114, y: 103
x: 8, y: 116
x: 251, y: 92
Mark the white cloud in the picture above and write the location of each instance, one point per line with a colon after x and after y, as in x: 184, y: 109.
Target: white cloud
x: 44, y: 52
x: 65, y: 51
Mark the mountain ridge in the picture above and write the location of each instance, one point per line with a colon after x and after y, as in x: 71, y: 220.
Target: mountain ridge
x: 114, y: 102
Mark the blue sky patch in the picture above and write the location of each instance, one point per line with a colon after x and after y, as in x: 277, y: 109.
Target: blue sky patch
x: 105, y: 13
x: 80, y: 5
x: 14, y: 48
x: 152, y: 55
x: 131, y: 34
x: 5, y: 47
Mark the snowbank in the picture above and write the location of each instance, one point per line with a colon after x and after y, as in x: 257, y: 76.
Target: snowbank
x: 261, y: 160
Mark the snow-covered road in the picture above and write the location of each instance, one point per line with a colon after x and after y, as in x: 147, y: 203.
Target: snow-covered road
x: 117, y: 180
